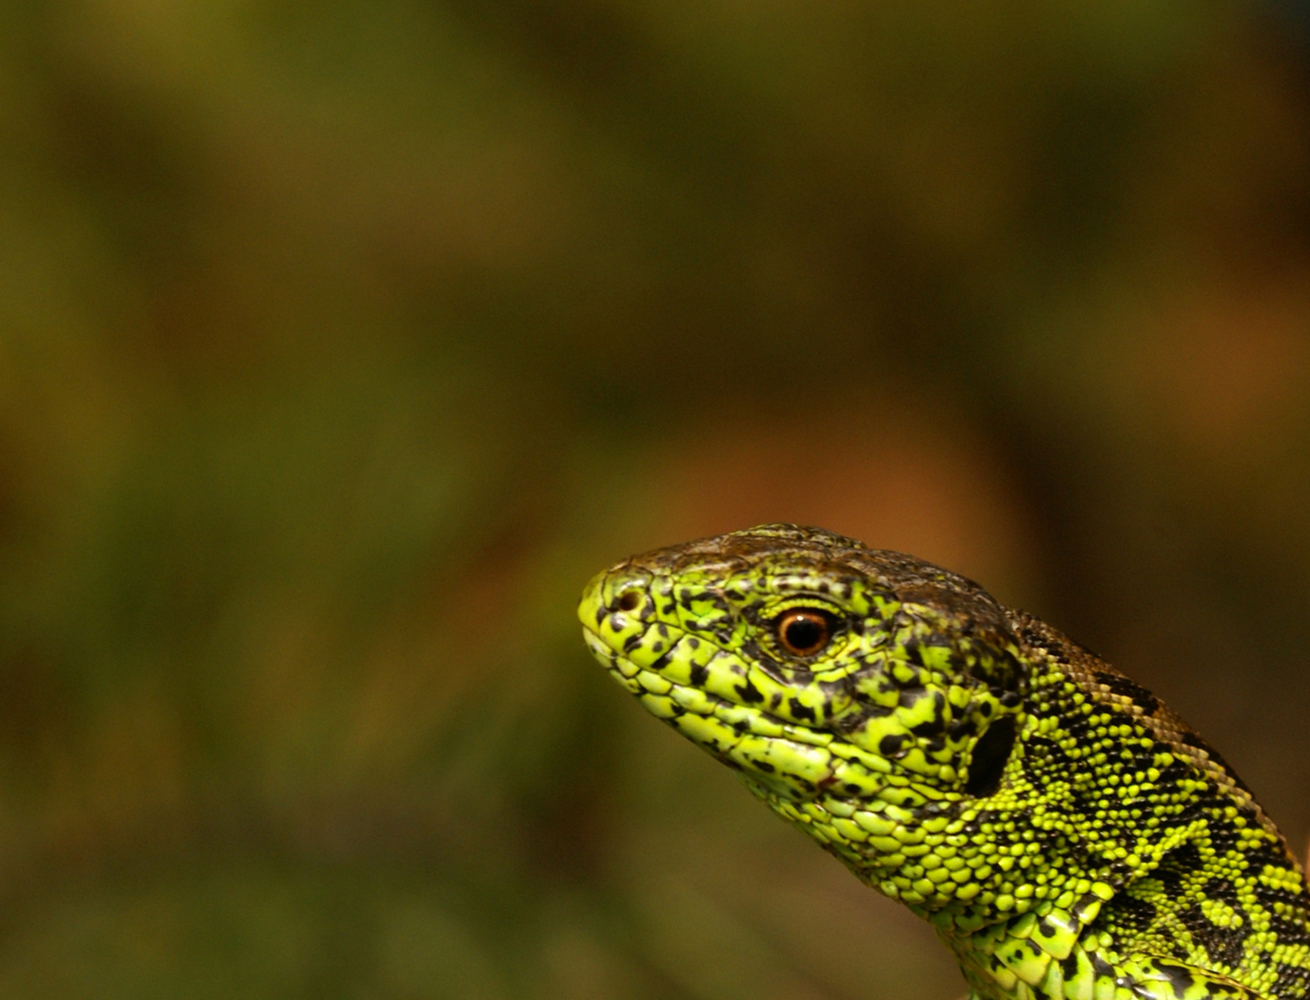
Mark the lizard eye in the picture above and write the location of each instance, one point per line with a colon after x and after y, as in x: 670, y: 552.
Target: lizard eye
x: 804, y: 631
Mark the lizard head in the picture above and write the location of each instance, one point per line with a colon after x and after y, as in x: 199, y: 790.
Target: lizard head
x: 825, y: 672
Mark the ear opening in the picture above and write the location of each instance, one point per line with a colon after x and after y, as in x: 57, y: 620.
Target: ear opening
x: 990, y: 755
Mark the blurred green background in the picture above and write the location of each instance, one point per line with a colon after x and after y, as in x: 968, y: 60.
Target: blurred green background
x: 340, y: 343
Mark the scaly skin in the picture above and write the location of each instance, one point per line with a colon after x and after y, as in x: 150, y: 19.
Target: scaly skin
x: 1068, y: 836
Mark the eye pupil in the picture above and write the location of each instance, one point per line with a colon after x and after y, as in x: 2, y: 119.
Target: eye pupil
x: 803, y: 632
x: 629, y: 600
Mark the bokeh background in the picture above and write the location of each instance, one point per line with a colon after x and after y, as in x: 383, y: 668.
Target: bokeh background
x: 341, y: 342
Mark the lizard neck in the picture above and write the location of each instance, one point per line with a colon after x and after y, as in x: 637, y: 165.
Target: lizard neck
x: 1104, y: 838
x: 1091, y: 800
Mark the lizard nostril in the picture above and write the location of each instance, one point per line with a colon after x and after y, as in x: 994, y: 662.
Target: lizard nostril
x: 629, y: 600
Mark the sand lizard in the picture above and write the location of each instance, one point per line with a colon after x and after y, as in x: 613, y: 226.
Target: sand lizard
x: 1067, y: 835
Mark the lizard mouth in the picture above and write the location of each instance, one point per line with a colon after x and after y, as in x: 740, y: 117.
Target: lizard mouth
x: 791, y: 760
x: 687, y: 681
x: 666, y: 669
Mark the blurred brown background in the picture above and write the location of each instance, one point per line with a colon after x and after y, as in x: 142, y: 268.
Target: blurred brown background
x: 341, y: 342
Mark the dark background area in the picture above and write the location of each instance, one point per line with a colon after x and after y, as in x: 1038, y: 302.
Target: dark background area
x: 340, y: 343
